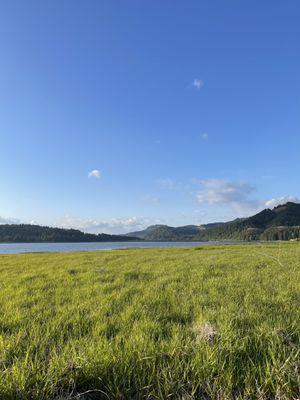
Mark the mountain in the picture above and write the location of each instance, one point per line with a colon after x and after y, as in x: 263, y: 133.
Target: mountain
x: 35, y: 233
x: 169, y: 233
x: 281, y: 223
x: 164, y: 232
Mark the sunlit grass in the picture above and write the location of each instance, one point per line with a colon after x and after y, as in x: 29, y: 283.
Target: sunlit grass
x: 197, y: 323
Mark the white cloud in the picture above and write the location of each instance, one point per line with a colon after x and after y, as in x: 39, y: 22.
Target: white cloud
x: 223, y: 192
x: 204, y: 136
x: 281, y: 200
x: 235, y: 196
x: 4, y: 220
x: 95, y: 173
x: 112, y: 226
x: 198, y: 83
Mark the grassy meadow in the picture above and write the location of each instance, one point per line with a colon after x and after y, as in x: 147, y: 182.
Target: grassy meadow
x: 179, y: 323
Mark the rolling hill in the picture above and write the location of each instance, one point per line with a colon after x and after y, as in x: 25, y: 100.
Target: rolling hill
x: 165, y: 232
x: 281, y: 223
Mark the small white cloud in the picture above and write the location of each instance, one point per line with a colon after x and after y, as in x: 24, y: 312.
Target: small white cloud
x: 204, y: 136
x: 95, y: 173
x: 198, y: 83
x: 281, y: 200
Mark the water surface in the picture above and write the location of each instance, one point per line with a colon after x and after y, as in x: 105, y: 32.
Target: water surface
x: 14, y: 248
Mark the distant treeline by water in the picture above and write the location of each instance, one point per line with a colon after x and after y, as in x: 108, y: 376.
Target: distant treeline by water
x: 36, y: 234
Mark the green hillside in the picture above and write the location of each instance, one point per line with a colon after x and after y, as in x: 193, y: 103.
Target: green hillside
x: 281, y: 223
x: 164, y: 232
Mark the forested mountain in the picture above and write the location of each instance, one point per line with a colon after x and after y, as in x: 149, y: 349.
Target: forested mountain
x: 165, y: 232
x: 36, y: 233
x: 281, y: 223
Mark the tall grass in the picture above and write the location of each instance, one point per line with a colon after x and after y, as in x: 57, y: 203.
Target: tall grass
x: 197, y: 323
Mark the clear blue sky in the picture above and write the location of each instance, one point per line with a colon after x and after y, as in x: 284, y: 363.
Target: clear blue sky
x: 186, y: 111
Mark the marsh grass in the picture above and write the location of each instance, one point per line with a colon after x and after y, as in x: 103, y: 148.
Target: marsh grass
x: 126, y: 324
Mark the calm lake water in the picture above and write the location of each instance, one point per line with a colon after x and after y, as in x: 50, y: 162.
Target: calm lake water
x: 14, y: 248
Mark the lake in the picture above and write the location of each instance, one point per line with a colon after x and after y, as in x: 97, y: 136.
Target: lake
x: 15, y: 248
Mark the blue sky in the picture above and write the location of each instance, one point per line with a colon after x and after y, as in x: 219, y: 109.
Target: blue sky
x: 188, y: 110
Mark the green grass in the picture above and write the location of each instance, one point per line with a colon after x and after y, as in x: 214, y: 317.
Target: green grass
x: 133, y: 324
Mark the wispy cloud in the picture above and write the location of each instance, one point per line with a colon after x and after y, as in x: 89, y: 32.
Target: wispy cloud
x: 167, y: 183
x: 95, y: 173
x: 198, y: 83
x: 204, y: 136
x: 236, y: 196
x: 5, y: 220
x: 224, y: 193
x: 112, y: 226
x: 151, y: 199
x: 281, y: 200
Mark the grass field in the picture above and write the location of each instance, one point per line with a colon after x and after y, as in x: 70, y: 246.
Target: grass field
x: 193, y: 323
